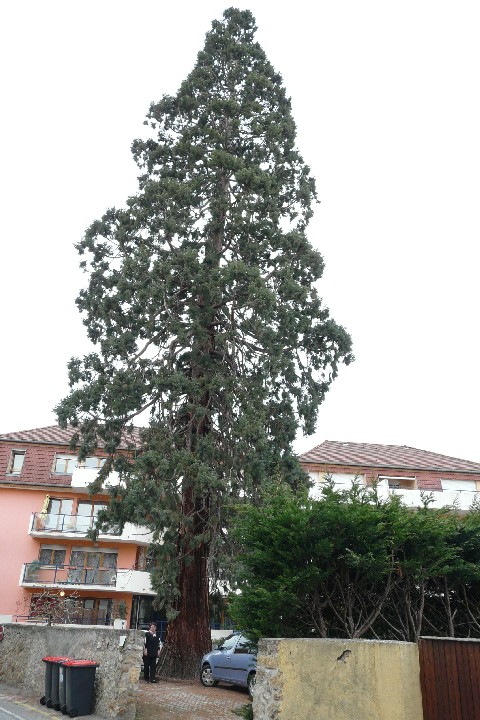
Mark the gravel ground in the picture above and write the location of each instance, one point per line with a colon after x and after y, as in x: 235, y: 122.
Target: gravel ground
x: 183, y: 700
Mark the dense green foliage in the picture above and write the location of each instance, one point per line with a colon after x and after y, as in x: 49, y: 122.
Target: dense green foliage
x: 203, y: 307
x: 352, y: 565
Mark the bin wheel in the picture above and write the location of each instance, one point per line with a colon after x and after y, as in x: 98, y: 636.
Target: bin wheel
x: 64, y: 709
x: 72, y: 713
x: 56, y: 706
x: 42, y: 700
x: 49, y: 703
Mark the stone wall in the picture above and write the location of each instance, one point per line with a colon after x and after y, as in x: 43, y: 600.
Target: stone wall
x: 118, y: 653
x: 301, y: 679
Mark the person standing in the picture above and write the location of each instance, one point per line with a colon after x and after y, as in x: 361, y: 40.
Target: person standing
x: 151, y: 651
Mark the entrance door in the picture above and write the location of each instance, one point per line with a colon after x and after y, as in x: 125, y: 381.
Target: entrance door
x: 97, y: 611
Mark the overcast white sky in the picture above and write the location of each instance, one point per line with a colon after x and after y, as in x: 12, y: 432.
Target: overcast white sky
x: 385, y: 97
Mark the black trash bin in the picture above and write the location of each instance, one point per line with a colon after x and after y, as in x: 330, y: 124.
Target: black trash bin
x: 79, y: 680
x: 51, y: 680
x: 58, y: 684
x: 62, y: 698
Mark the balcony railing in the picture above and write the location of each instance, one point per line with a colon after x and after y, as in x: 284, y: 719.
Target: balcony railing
x: 84, y: 476
x: 413, y: 497
x: 461, y: 499
x: 55, y: 523
x: 79, y: 617
x: 36, y: 574
x: 137, y: 582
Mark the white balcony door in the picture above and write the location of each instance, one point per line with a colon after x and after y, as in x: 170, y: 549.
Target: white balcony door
x: 86, y: 514
x: 58, y: 513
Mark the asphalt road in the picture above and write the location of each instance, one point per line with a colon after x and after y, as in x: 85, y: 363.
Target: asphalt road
x: 13, y: 709
x: 15, y: 705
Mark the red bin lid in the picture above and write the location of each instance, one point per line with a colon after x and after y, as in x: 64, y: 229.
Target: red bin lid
x: 54, y: 659
x: 80, y: 663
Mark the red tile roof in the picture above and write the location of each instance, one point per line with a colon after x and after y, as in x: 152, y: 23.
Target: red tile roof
x: 55, y: 435
x: 332, y: 452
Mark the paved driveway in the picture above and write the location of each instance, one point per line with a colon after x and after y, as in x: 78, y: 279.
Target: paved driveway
x: 174, y: 700
x: 183, y: 700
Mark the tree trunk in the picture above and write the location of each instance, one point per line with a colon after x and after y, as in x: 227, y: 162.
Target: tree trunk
x: 188, y: 635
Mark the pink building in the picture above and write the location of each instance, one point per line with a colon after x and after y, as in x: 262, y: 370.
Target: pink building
x: 397, y: 469
x: 45, y: 514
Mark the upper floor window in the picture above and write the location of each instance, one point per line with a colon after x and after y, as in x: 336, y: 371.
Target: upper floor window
x: 52, y: 555
x: 87, y: 511
x: 59, y: 514
x: 16, y: 462
x: 93, y: 462
x: 146, y: 559
x: 399, y: 483
x: 60, y: 506
x: 65, y: 464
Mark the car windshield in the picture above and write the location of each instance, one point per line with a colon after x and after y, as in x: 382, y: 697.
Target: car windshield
x: 229, y: 642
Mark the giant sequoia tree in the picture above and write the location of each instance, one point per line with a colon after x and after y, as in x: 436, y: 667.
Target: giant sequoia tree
x: 203, y: 307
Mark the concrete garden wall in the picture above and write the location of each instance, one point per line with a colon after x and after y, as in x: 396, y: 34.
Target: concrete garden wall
x: 303, y: 679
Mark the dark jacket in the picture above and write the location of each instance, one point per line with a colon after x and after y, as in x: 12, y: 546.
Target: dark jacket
x: 152, y: 644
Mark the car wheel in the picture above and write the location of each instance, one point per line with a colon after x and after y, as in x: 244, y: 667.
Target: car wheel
x: 251, y: 680
x: 206, y: 676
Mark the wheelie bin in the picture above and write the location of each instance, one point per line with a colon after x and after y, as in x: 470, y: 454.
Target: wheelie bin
x: 51, y: 680
x: 62, y: 689
x: 79, y: 681
x: 58, y: 686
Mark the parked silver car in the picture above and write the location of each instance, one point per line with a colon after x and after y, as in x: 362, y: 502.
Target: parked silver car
x: 235, y: 661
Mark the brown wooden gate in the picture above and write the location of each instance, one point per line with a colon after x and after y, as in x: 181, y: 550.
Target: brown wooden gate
x: 450, y: 678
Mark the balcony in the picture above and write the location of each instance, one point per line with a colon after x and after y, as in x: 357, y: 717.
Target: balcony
x: 34, y: 574
x: 412, y: 497
x: 461, y: 499
x: 82, y: 477
x: 64, y: 526
x: 59, y: 524
x: 61, y: 576
x: 136, y: 582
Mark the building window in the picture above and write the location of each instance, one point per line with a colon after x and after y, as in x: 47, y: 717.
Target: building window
x: 146, y: 560
x: 399, y: 483
x: 86, y: 514
x: 97, y: 611
x: 60, y: 506
x: 52, y: 555
x: 93, y: 462
x: 92, y: 568
x: 65, y: 464
x: 59, y: 514
x: 16, y: 462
